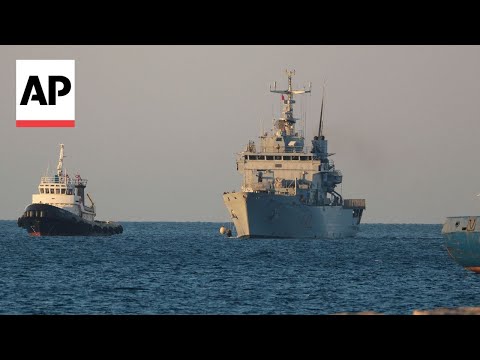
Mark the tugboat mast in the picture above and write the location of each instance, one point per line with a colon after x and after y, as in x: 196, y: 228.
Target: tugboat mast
x: 60, y: 162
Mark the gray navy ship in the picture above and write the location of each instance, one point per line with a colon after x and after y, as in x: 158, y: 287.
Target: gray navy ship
x: 289, y: 189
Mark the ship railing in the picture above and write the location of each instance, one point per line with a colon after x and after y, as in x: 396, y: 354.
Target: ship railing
x: 53, y: 179
x: 79, y: 182
x: 90, y: 209
x: 354, y: 203
x: 286, y: 149
x: 331, y: 166
x: 62, y: 180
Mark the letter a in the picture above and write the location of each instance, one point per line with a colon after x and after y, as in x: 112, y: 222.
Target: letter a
x: 33, y: 82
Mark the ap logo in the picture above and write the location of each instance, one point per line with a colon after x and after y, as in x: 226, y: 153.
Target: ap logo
x: 45, y: 93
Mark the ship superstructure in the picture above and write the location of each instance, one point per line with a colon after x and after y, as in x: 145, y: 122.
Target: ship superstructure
x: 289, y: 189
x: 64, y: 192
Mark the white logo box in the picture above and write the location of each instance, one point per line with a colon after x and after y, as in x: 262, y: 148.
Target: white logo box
x: 62, y: 114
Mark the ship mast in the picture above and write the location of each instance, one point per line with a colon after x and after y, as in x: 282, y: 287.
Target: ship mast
x: 60, y: 162
x: 320, y: 125
x: 287, y: 121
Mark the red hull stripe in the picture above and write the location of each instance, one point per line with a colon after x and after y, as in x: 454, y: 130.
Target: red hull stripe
x: 45, y: 123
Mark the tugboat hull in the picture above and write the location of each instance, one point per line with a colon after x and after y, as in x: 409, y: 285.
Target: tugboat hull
x: 48, y: 220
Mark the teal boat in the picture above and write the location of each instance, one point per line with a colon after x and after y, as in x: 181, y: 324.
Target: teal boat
x: 462, y: 240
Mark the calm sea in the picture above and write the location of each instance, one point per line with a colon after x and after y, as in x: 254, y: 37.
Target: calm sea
x: 188, y: 268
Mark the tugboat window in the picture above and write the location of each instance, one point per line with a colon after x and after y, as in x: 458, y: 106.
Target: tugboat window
x: 58, y: 191
x: 269, y: 157
x: 278, y: 158
x: 47, y: 191
x: 63, y: 191
x: 41, y: 190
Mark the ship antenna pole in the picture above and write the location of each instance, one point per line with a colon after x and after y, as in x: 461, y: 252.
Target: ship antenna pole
x: 60, y: 161
x: 320, y: 126
x: 307, y: 105
x: 309, y: 108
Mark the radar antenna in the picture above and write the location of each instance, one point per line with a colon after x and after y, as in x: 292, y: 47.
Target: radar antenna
x: 287, y: 120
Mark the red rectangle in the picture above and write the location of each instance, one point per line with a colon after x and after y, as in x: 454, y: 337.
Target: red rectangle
x: 45, y: 123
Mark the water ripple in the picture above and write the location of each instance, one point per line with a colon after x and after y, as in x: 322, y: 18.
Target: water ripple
x: 187, y: 268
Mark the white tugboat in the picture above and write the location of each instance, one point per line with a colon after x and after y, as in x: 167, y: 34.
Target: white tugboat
x: 288, y: 190
x: 59, y: 208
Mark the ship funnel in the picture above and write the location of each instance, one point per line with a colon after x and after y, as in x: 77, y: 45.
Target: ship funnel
x: 80, y: 185
x: 81, y: 192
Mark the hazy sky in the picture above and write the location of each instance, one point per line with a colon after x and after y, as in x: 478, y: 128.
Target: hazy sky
x: 158, y: 126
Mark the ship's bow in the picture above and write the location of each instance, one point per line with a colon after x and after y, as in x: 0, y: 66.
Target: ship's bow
x: 236, y: 203
x: 462, y: 240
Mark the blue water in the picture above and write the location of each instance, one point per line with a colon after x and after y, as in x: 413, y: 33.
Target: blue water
x: 187, y: 268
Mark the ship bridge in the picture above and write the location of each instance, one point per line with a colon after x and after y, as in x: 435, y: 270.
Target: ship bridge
x: 60, y: 184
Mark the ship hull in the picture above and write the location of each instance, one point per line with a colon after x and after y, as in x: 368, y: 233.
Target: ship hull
x: 462, y: 240
x: 48, y: 220
x: 262, y: 215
